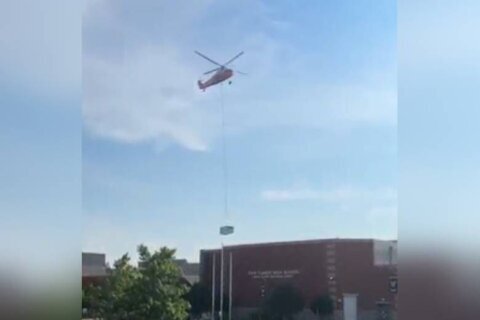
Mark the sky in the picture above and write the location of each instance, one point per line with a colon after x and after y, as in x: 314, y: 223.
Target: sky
x: 438, y: 93
x: 133, y: 153
x: 40, y: 139
x: 310, y: 131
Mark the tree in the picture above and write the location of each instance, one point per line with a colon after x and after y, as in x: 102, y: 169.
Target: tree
x: 154, y: 291
x: 322, y: 306
x: 159, y: 291
x: 199, y: 298
x: 113, y: 299
x: 284, y: 302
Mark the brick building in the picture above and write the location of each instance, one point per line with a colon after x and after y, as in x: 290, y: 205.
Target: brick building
x: 315, y: 267
x: 94, y: 268
x: 189, y: 271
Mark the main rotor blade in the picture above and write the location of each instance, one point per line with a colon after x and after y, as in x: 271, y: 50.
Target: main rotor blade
x: 231, y: 60
x: 207, y: 58
x: 213, y: 70
x: 240, y: 72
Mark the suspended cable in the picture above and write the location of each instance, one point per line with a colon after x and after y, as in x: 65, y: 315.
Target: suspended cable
x: 224, y: 156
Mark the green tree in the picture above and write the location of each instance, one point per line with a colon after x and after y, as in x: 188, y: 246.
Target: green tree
x: 159, y: 292
x: 284, y: 302
x: 154, y: 291
x: 200, y: 300
x: 322, y: 306
x: 113, y: 299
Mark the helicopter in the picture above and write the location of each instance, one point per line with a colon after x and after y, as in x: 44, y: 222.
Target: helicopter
x: 221, y: 74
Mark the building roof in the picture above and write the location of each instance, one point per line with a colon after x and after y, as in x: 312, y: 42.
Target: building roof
x: 187, y: 267
x: 297, y: 242
x: 190, y: 271
x: 93, y: 264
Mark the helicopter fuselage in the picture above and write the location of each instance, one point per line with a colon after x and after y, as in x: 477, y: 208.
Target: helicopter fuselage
x: 218, y: 77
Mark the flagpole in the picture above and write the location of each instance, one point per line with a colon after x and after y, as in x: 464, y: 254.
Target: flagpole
x: 221, y: 285
x: 213, y: 287
x: 230, y: 290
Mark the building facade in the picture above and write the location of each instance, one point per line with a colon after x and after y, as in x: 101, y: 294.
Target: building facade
x: 189, y: 271
x: 331, y: 267
x: 94, y: 268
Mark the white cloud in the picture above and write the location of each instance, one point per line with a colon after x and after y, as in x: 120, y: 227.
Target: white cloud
x: 305, y: 194
x: 145, y: 98
x: 340, y: 195
x: 140, y: 86
x: 140, y: 74
x: 375, y: 207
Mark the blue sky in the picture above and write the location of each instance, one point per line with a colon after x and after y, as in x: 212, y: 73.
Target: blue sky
x: 310, y: 131
x: 40, y: 120
x: 438, y: 94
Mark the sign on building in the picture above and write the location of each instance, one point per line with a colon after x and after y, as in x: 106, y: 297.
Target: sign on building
x: 393, y: 284
x: 273, y: 274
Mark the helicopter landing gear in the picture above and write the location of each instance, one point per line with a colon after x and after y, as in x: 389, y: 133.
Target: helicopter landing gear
x: 229, y: 82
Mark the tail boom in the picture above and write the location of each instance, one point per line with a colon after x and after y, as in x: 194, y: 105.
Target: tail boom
x: 201, y: 85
